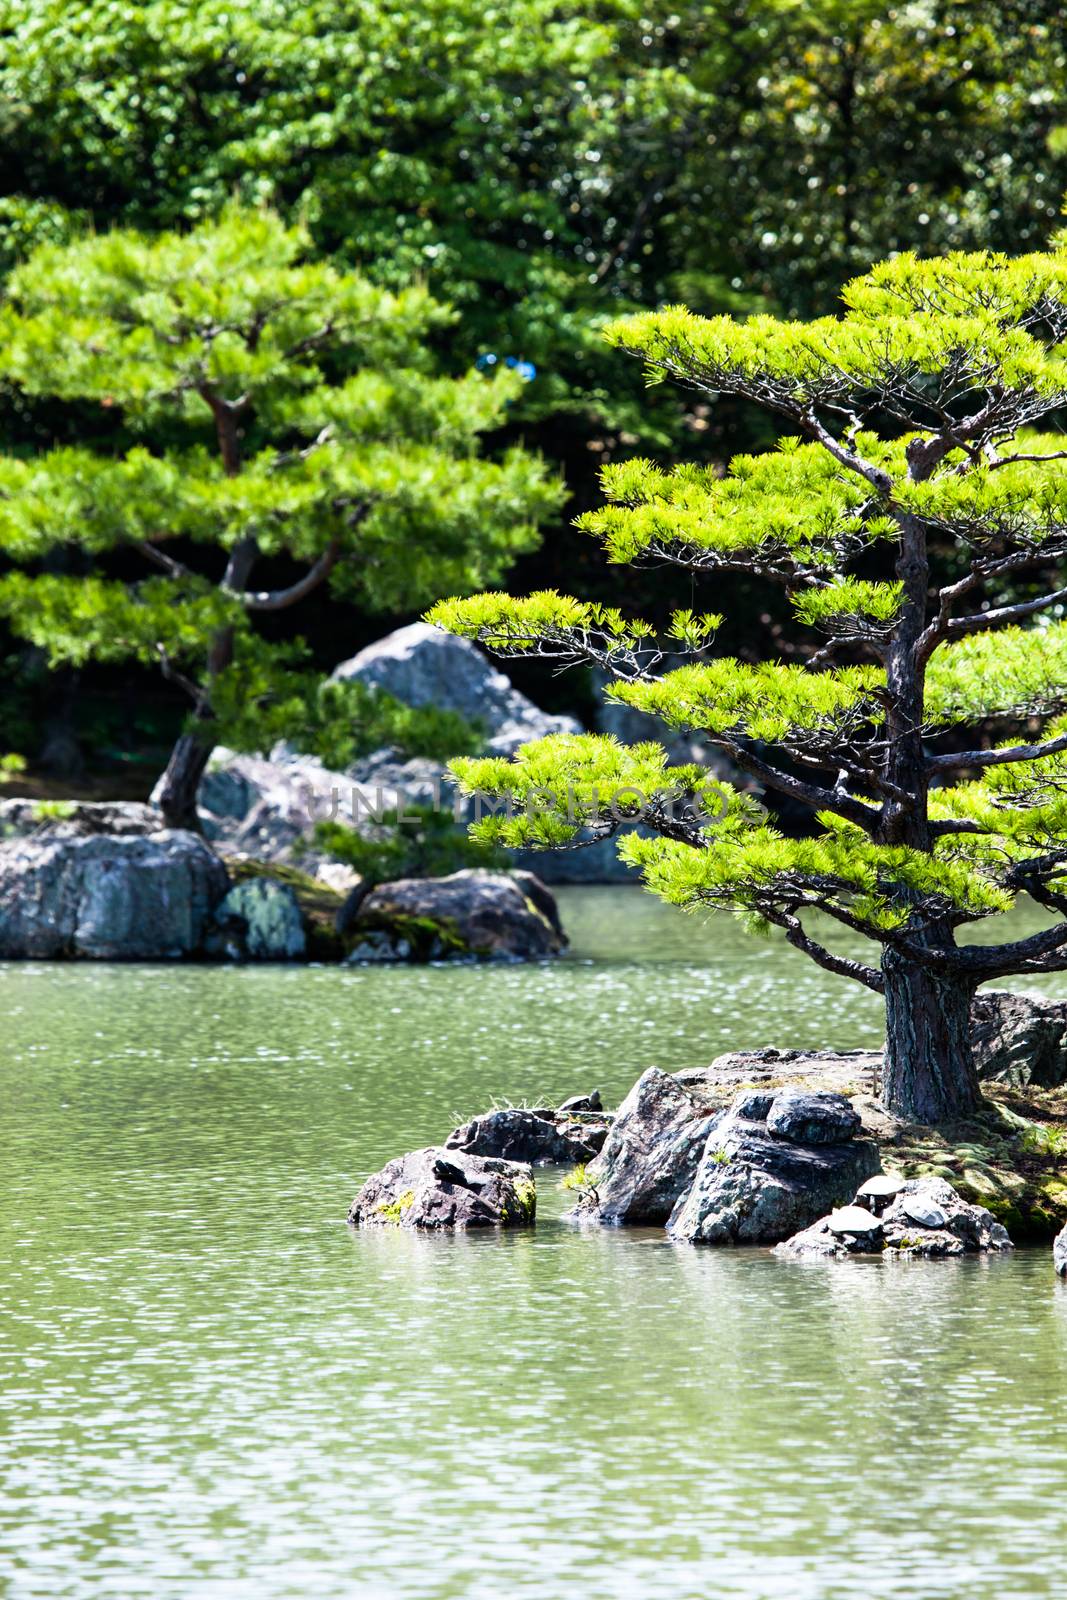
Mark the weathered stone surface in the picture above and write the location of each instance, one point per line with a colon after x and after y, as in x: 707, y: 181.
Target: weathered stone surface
x: 1059, y: 1252
x: 107, y: 897
x: 952, y: 1227
x: 422, y: 666
x: 267, y: 810
x: 811, y: 1117
x: 264, y: 919
x: 583, y: 1102
x: 1020, y: 1039
x: 447, y: 1189
x: 754, y: 1187
x: 855, y: 1220
x: 650, y: 1154
x: 768, y: 1070
x: 543, y: 1137
x: 485, y: 914
x: 71, y: 819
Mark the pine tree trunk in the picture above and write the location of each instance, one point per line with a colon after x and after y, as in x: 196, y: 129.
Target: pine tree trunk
x: 181, y: 780
x: 929, y: 1073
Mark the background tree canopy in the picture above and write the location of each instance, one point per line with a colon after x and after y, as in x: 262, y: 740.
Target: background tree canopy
x: 545, y: 166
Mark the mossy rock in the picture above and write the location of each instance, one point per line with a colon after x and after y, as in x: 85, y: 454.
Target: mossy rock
x: 319, y: 904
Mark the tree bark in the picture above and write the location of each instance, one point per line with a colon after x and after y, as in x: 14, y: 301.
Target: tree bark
x: 181, y: 780
x: 929, y: 1073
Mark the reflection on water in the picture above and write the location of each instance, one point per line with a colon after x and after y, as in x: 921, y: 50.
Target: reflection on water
x: 211, y: 1390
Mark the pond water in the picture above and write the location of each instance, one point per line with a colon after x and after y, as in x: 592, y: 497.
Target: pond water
x: 211, y: 1389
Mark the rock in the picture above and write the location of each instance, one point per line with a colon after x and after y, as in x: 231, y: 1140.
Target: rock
x: 754, y: 1187
x: 266, y: 918
x: 422, y: 666
x: 542, y: 1137
x: 1020, y: 1039
x: 267, y: 810
x: 955, y: 1227
x: 1059, y: 1252
x: 378, y: 948
x: 473, y: 913
x: 434, y: 1188
x: 812, y: 1118
x: 650, y: 1154
x: 107, y: 897
x: 768, y: 1070
x: 70, y: 819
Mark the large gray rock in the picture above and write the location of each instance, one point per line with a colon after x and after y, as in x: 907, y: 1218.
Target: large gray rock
x: 926, y: 1217
x: 484, y: 914
x: 542, y: 1136
x: 447, y: 1189
x: 265, y: 919
x: 650, y: 1154
x: 1059, y: 1252
x: 1020, y: 1039
x: 422, y: 666
x: 267, y: 810
x: 108, y: 897
x: 810, y: 1118
x: 755, y: 1187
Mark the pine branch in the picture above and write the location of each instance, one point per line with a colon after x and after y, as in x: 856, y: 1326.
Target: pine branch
x: 996, y: 758
x: 870, y: 977
x: 280, y: 599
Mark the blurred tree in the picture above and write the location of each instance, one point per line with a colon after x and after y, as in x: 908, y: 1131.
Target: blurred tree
x: 273, y: 413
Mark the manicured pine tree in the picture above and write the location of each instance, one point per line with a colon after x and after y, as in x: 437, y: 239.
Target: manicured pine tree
x: 263, y: 408
x: 908, y: 518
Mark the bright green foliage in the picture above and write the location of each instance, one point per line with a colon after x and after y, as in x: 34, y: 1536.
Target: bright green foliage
x: 266, y: 409
x: 910, y: 839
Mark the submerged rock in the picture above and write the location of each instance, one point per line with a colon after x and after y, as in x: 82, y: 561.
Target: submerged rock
x: 925, y: 1217
x: 107, y: 896
x: 469, y: 913
x: 447, y: 1189
x: 263, y: 919
x: 650, y: 1154
x: 755, y: 1185
x: 542, y: 1136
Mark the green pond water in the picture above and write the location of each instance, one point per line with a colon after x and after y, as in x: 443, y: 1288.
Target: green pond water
x: 211, y: 1389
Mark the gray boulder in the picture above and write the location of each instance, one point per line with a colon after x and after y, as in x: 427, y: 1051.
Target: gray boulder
x: 107, y: 897
x: 543, y: 1136
x: 1020, y: 1039
x: 422, y: 666
x: 1059, y: 1252
x: 447, y: 1189
x: 808, y: 1118
x: 473, y: 913
x: 264, y: 919
x: 925, y: 1217
x: 650, y: 1155
x: 754, y: 1186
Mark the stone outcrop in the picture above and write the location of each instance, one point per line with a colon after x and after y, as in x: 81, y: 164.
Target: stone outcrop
x: 914, y: 1217
x: 771, y: 1165
x: 260, y: 920
x: 447, y: 1189
x: 472, y: 913
x: 107, y: 896
x: 422, y: 666
x: 1020, y: 1039
x: 542, y: 1136
x: 76, y: 818
x: 650, y: 1155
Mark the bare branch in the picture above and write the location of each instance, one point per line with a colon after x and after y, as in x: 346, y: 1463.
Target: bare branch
x: 796, y: 936
x: 996, y: 758
x: 280, y: 599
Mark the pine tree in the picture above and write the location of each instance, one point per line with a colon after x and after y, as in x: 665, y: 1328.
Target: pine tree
x: 914, y: 521
x: 261, y: 409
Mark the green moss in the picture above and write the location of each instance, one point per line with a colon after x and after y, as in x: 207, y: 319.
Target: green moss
x: 319, y: 904
x: 394, y: 1211
x: 526, y: 1195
